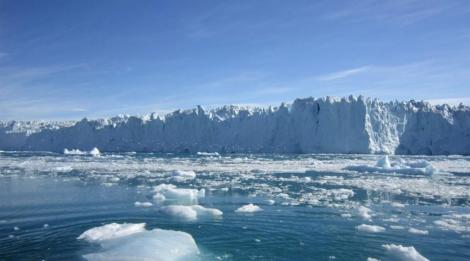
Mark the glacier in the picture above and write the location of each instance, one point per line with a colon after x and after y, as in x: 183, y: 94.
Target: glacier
x: 308, y: 125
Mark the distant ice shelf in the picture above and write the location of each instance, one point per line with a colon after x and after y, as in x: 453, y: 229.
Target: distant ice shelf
x: 309, y: 125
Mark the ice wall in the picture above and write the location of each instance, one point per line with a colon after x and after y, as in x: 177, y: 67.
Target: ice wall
x: 324, y: 125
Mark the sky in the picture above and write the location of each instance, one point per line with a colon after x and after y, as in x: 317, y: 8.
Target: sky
x: 64, y: 60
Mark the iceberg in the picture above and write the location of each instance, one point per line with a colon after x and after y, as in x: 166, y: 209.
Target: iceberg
x: 308, y: 125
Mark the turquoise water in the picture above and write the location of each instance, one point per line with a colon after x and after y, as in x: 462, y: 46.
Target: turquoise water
x: 311, y: 205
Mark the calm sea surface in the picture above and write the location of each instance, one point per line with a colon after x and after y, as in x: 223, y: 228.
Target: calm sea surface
x: 312, y: 205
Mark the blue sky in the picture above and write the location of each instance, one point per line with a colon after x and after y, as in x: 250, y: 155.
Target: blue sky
x: 71, y: 59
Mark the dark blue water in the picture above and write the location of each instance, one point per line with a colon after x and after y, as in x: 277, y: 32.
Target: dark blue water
x: 52, y: 199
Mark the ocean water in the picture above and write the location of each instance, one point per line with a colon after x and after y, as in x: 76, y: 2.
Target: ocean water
x: 313, y: 206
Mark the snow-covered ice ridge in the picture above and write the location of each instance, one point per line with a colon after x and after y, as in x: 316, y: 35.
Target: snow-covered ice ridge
x: 309, y: 125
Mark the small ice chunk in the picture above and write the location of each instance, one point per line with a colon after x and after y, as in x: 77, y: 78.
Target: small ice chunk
x: 45, y: 226
x: 143, y: 204
x: 16, y: 228
x: 397, y: 205
x: 364, y: 213
x: 73, y: 152
x: 249, y: 208
x: 372, y: 259
x: 418, y: 231
x: 270, y: 201
x: 404, y: 253
x: 191, y: 212
x: 216, y: 154
x: 384, y: 162
x: 182, y: 175
x: 370, y: 228
x: 94, y: 152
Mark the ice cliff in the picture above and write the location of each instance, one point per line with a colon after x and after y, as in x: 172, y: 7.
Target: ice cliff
x: 324, y: 125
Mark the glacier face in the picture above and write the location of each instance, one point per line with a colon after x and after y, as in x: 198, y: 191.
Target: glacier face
x: 324, y: 125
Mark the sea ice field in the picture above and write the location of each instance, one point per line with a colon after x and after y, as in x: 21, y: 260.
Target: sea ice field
x: 81, y: 205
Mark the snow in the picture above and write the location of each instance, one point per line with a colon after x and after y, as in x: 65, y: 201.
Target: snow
x: 193, y: 212
x: 370, y: 228
x: 404, y: 253
x: 134, y: 242
x: 308, y: 125
x: 170, y: 194
x: 143, y: 204
x: 249, y: 208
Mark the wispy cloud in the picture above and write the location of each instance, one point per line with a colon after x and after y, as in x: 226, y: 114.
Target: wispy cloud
x: 342, y: 74
x: 401, y: 12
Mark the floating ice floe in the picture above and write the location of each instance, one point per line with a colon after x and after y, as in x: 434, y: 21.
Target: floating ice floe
x: 383, y: 165
x: 249, y: 208
x: 111, y: 231
x: 215, y: 154
x: 181, y: 175
x: 364, y: 213
x: 170, y: 194
x: 417, y: 231
x: 191, y: 213
x: 404, y: 253
x: 134, y: 242
x: 459, y: 223
x: 143, y: 204
x: 93, y: 152
x: 370, y: 228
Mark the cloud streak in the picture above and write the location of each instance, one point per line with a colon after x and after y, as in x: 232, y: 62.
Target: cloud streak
x: 343, y: 74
